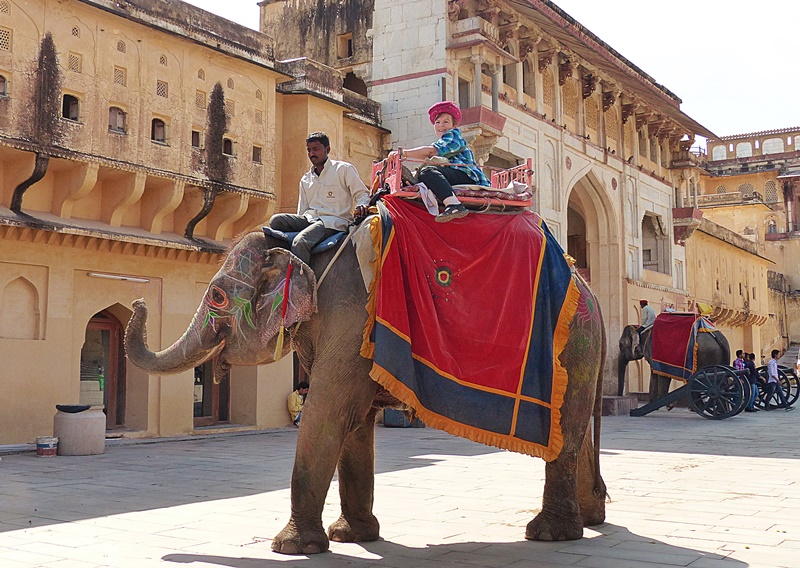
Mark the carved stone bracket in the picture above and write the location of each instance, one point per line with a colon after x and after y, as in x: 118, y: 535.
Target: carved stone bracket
x: 609, y: 98
x: 628, y: 110
x: 546, y: 59
x: 589, y: 82
x: 565, y: 71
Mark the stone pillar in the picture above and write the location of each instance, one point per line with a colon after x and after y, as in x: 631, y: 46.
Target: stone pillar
x: 477, y: 62
x: 496, y: 80
x: 520, y: 83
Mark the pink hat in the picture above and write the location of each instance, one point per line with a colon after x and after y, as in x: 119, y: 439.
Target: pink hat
x: 449, y: 107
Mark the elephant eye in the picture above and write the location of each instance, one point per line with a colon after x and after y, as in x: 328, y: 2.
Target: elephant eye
x: 217, y: 297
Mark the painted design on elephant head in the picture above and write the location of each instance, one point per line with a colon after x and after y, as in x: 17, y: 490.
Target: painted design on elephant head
x: 238, y: 309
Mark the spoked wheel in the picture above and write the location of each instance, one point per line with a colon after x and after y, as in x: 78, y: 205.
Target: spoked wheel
x: 789, y: 383
x: 716, y: 392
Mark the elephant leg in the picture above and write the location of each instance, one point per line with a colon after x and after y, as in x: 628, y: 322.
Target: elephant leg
x: 560, y: 518
x: 330, y: 416
x: 591, y: 487
x: 356, y: 486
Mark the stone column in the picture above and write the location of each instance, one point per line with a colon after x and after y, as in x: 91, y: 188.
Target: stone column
x: 477, y: 62
x: 520, y: 83
x: 496, y: 80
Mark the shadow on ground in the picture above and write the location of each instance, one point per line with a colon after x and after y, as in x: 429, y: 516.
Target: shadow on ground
x: 615, y: 545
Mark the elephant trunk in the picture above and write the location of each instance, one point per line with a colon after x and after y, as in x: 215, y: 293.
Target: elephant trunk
x: 622, y: 365
x: 189, y: 351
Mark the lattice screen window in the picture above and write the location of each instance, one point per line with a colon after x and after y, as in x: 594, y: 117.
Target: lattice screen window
x: 5, y: 7
x: 771, y: 192
x: 259, y: 117
x: 547, y: 88
x: 162, y: 89
x: 162, y: 60
x: 746, y: 189
x: 722, y: 189
x: 76, y: 31
x: 591, y: 113
x: 5, y: 39
x: 120, y: 76
x: 121, y: 47
x: 75, y: 62
x: 570, y: 98
x: 200, y: 99
x: 201, y: 74
x: 259, y: 94
x: 230, y: 83
x: 230, y: 108
x: 612, y: 126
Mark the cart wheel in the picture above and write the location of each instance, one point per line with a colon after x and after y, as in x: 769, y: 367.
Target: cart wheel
x: 716, y: 392
x: 789, y: 383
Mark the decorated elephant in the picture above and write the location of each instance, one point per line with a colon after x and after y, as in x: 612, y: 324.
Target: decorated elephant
x: 238, y: 321
x: 712, y: 349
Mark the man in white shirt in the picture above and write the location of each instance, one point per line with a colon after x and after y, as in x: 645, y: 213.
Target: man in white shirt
x: 774, y: 385
x: 330, y: 194
x: 648, y: 314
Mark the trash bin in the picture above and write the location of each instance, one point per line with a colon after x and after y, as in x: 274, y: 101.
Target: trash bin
x: 396, y: 419
x: 80, y: 429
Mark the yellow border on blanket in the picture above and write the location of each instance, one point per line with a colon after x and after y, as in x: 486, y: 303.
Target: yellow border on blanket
x: 404, y: 394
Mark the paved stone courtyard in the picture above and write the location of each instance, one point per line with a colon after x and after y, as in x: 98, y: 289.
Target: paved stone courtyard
x: 684, y: 491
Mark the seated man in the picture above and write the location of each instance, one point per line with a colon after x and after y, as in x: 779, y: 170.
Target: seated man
x: 330, y: 193
x: 648, y: 318
x: 295, y: 402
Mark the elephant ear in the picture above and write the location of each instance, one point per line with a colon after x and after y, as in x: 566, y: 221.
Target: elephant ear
x: 301, y: 302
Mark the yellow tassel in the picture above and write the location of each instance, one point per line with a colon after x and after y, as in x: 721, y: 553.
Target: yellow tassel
x: 279, y: 345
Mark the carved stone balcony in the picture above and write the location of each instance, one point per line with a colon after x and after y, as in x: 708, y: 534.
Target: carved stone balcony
x: 481, y: 128
x: 684, y: 222
x: 474, y: 29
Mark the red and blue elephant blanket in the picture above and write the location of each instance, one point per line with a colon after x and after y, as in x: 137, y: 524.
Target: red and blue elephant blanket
x: 467, y: 321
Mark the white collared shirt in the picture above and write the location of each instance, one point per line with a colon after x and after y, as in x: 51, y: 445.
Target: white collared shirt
x: 332, y: 195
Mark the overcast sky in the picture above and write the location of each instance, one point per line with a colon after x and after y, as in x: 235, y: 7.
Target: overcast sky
x: 734, y: 63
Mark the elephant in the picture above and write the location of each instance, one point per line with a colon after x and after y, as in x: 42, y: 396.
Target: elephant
x: 337, y: 431
x: 712, y: 349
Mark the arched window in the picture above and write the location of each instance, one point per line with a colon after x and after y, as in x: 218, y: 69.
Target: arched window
x: 744, y: 150
x: 116, y: 120
x: 771, y: 192
x: 76, y: 31
x: 227, y: 146
x: 746, y: 189
x: 201, y: 74
x: 162, y: 60
x: 259, y: 94
x: 70, y: 107
x: 3, y: 86
x: 719, y: 153
x: 528, y: 81
x: 772, y: 227
x: 230, y: 83
x: 158, y: 131
x: 121, y: 46
x: 773, y: 146
x: 722, y: 189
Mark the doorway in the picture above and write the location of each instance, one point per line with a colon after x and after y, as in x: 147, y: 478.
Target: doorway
x: 212, y: 401
x: 103, y: 368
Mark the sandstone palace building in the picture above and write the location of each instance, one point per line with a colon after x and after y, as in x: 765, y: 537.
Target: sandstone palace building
x: 139, y: 138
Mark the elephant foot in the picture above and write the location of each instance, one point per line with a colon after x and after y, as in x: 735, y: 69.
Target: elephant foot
x: 354, y: 530
x: 546, y: 527
x: 292, y: 540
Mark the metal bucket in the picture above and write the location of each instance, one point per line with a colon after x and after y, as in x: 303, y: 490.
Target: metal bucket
x: 46, y: 446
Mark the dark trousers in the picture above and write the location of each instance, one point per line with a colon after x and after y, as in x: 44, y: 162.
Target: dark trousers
x: 441, y: 179
x: 310, y: 233
x: 771, y: 389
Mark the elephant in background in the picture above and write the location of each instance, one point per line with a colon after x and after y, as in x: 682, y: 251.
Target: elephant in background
x: 712, y: 349
x: 337, y: 431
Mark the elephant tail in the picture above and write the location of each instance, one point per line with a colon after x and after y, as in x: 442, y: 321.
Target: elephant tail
x: 599, y: 486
